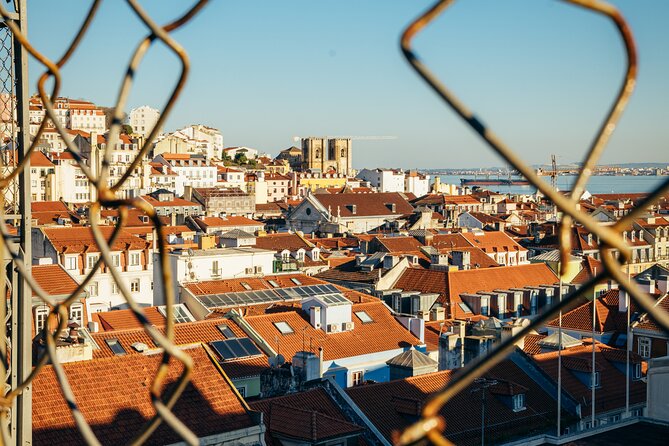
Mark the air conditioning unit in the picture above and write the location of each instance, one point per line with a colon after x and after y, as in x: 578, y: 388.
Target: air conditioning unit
x: 333, y: 328
x: 348, y: 326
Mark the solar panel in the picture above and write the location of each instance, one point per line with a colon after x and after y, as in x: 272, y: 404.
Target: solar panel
x: 235, y: 348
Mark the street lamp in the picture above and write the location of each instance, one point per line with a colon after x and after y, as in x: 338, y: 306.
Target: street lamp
x: 483, y: 384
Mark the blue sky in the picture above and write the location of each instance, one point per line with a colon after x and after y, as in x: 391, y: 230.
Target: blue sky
x: 540, y: 73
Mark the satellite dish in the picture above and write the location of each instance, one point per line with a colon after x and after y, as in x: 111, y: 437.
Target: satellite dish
x: 272, y: 361
x: 280, y: 360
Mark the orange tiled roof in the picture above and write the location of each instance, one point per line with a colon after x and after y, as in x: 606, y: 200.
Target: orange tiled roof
x: 394, y: 405
x: 609, y: 395
x: 493, y: 241
x: 102, y: 388
x: 384, y: 334
x: 54, y: 280
x: 311, y: 415
x: 281, y: 241
x: 366, y: 204
x: 450, y: 285
x: 233, y: 220
x: 38, y: 159
x: 607, y: 315
x: 235, y: 285
x: 125, y: 319
x: 79, y: 239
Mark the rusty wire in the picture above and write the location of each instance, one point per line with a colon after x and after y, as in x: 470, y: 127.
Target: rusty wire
x: 162, y: 400
x: 430, y: 426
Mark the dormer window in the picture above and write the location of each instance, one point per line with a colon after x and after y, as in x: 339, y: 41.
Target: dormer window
x: 637, y: 371
x: 518, y: 402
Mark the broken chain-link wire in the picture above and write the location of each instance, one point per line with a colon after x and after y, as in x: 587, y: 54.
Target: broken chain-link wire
x: 162, y: 400
x: 430, y: 425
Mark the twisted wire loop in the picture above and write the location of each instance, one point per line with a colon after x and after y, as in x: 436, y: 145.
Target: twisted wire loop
x: 430, y: 426
x: 163, y: 397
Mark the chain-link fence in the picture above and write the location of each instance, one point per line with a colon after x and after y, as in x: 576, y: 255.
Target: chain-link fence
x: 162, y: 400
x: 614, y: 250
x: 430, y: 425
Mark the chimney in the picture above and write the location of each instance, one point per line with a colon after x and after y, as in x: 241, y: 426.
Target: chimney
x: 461, y: 259
x: 315, y: 317
x: 647, y: 285
x: 623, y: 300
x: 662, y: 284
x: 451, y: 350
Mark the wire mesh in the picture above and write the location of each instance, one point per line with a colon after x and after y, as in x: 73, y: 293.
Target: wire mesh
x: 162, y: 400
x: 430, y: 425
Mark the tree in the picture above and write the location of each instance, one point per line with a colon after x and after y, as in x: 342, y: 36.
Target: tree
x: 240, y: 158
x: 126, y: 129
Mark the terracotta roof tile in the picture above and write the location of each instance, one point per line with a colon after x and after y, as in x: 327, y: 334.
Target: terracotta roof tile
x: 394, y: 405
x: 54, y: 280
x: 366, y: 204
x: 314, y: 401
x: 208, y: 406
x: 383, y: 334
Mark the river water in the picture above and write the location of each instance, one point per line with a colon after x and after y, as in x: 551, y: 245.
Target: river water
x: 596, y: 185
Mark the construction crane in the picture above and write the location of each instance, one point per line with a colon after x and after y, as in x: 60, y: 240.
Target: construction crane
x: 554, y: 172
x: 358, y: 138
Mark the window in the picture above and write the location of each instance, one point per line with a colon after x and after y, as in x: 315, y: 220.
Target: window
x: 214, y: 267
x: 71, y: 262
x: 242, y: 391
x: 41, y: 314
x: 90, y: 261
x: 357, y: 378
x: 283, y: 327
x: 226, y: 331
x: 273, y: 283
x: 115, y: 346
x: 484, y: 307
x: 637, y: 371
x: 644, y: 347
x: 246, y: 286
x: 296, y: 281
x: 93, y: 289
x: 77, y: 313
x: 257, y: 269
x: 114, y: 288
x: 134, y: 286
x: 596, y: 383
x: 364, y: 317
x: 134, y: 258
x: 116, y: 259
x: 519, y: 402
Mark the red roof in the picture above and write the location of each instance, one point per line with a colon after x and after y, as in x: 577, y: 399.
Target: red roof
x: 235, y: 285
x: 450, y: 285
x: 311, y: 415
x: 54, y: 280
x: 235, y: 220
x: 366, y: 204
x: 103, y: 387
x: 282, y: 241
x: 38, y: 159
x: 383, y: 334
x: 394, y: 405
x: 610, y: 394
x: 78, y: 239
